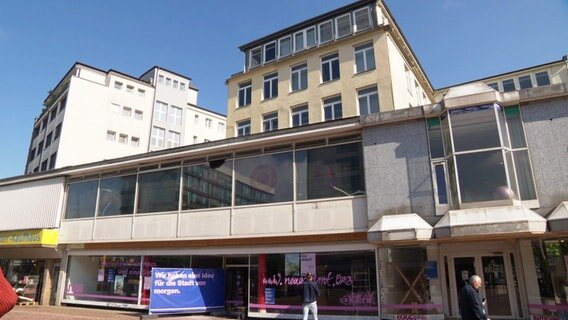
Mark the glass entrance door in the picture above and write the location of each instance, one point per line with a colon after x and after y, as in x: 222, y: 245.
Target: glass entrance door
x: 495, y: 271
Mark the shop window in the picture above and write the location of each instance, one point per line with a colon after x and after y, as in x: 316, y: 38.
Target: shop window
x: 158, y: 191
x: 263, y: 179
x: 335, y: 171
x: 347, y: 282
x: 550, y: 258
x: 207, y: 185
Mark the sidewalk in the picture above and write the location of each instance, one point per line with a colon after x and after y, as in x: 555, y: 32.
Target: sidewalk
x: 72, y: 313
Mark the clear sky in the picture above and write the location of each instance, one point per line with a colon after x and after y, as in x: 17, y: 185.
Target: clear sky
x: 455, y: 41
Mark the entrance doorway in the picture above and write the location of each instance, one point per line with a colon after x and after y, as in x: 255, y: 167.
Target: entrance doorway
x: 495, y: 270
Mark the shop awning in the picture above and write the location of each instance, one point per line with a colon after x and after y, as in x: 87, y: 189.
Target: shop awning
x: 400, y: 227
x: 489, y: 221
x: 558, y: 219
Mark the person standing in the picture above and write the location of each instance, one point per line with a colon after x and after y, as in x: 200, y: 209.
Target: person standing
x: 471, y: 305
x: 310, y: 293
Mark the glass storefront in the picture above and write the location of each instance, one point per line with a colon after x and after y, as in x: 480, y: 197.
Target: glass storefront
x: 551, y: 262
x: 25, y: 276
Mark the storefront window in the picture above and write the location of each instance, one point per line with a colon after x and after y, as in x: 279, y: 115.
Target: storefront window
x: 25, y: 276
x: 404, y: 280
x: 207, y: 185
x: 116, y: 196
x: 158, y: 191
x: 109, y: 279
x: 347, y: 282
x: 81, y: 199
x: 551, y: 259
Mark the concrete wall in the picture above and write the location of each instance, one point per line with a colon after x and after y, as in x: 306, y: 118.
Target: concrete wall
x: 546, y: 129
x: 397, y: 170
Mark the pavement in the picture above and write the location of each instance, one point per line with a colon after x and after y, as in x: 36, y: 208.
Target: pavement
x: 37, y: 312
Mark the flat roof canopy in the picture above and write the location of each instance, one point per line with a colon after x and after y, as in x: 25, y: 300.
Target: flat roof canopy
x: 399, y: 227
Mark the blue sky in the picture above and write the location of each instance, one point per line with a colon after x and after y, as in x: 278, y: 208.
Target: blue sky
x: 455, y: 41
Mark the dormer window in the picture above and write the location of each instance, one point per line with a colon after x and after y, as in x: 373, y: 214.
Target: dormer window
x: 343, y: 25
x: 285, y: 46
x: 325, y: 31
x: 269, y: 51
x: 255, y: 57
x: 362, y: 19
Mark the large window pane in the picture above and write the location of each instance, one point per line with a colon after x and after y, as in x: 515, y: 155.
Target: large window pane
x: 516, y: 131
x: 116, y: 196
x: 207, y: 185
x: 81, y: 199
x: 263, y: 179
x: 474, y: 128
x: 481, y: 176
x: 435, y: 138
x: 524, y: 175
x: 158, y: 191
x: 335, y: 171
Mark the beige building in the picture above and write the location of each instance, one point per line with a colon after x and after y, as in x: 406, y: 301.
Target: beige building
x: 348, y: 62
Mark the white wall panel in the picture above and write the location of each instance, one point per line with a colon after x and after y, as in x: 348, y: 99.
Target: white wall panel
x: 115, y: 228
x: 273, y: 219
x: 205, y: 224
x: 31, y: 205
x: 76, y: 231
x: 332, y: 215
x: 157, y: 226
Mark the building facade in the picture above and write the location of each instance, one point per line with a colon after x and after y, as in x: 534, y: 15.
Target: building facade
x: 93, y: 114
x: 348, y: 62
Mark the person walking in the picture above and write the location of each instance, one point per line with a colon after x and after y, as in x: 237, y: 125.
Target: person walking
x: 471, y: 305
x: 8, y: 297
x: 310, y: 293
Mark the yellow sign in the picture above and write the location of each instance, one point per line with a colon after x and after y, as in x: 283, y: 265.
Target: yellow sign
x: 29, y: 237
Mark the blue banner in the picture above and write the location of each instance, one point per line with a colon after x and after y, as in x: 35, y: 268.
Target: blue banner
x: 186, y: 290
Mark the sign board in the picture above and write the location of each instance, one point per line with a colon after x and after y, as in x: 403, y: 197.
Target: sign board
x: 186, y: 290
x: 41, y: 237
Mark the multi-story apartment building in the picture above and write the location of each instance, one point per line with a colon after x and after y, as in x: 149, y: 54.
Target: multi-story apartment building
x: 93, y: 114
x: 348, y: 62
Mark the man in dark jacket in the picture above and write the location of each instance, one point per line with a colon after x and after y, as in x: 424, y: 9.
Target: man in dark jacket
x: 471, y: 307
x: 310, y: 293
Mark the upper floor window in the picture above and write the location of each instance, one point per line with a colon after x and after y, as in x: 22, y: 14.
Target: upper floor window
x: 182, y: 86
x: 270, y: 122
x: 174, y: 115
x: 494, y: 85
x: 255, y: 57
x: 270, y: 51
x: 52, y: 159
x: 129, y: 89
x: 285, y: 46
x: 330, y: 67
x: 364, y: 57
x: 368, y: 101
x: 168, y: 81
x: 141, y: 92
x: 542, y: 78
x: 525, y: 82
x: 408, y: 78
x: 270, y: 86
x: 208, y: 122
x: 343, y: 25
x: 52, y: 114
x: 300, y: 116
x: 196, y: 119
x: 123, y: 138
x: 243, y: 128
x: 508, y: 85
x: 362, y: 19
x: 126, y: 111
x: 57, y: 132
x: 160, y: 111
x: 160, y: 78
x: 134, y: 141
x: 332, y: 108
x: 221, y: 127
x: 48, y: 139
x: 118, y: 85
x: 158, y: 137
x: 173, y: 139
x: 138, y: 114
x: 110, y: 136
x: 245, y: 92
x: 299, y: 77
x: 299, y: 41
x: 325, y: 31
x: 176, y: 84
x: 310, y: 37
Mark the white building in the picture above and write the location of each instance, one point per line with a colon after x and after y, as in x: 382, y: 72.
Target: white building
x: 93, y: 115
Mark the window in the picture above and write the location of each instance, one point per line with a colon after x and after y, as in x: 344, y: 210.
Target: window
x: 208, y: 122
x: 52, y: 114
x: 525, y: 82
x: 138, y: 115
x: 175, y: 85
x: 299, y: 77
x: 44, y: 123
x: 168, y: 81
x: 408, y: 79
x: 194, y: 139
x: 330, y: 67
x: 141, y: 92
x: 207, y: 185
x: 270, y: 122
x: 300, y: 116
x: 158, y: 191
x: 368, y: 101
x: 362, y: 19
x: 129, y: 89
x: 81, y: 199
x: 57, y: 132
x: 343, y: 25
x: 311, y: 37
x: 255, y: 57
x: 494, y: 85
x: 269, y: 51
x: 115, y: 108
x: 134, y: 141
x: 160, y: 111
x: 126, y: 111
x: 118, y: 85
x: 299, y: 41
x: 364, y: 57
x: 39, y: 147
x: 160, y: 79
x: 52, y: 159
x: 173, y: 140
x: 196, y: 119
x: 325, y: 31
x: 245, y: 92
x: 221, y: 127
x: 332, y: 108
x: 243, y: 128
x: 174, y: 115
x: 285, y: 46
x: 182, y: 86
x: 331, y: 171
x: 417, y: 91
x: 508, y: 85
x: 48, y: 139
x: 123, y: 138
x: 116, y: 196
x: 270, y: 86
x: 62, y: 104
x: 158, y: 137
x: 110, y: 135
x: 542, y: 79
